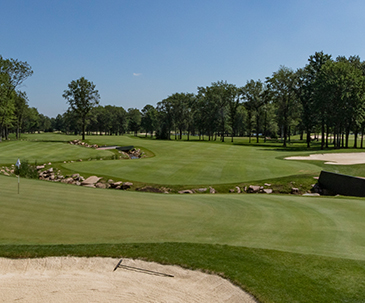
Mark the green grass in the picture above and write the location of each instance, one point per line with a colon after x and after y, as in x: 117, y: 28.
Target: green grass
x: 54, y: 213
x: 45, y: 151
x: 271, y: 276
x: 280, y: 248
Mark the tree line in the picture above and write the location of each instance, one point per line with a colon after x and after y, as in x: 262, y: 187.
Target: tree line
x: 324, y: 99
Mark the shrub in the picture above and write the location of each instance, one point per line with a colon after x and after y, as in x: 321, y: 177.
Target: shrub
x: 27, y: 170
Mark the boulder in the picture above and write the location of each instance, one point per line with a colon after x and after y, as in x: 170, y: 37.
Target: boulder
x: 253, y: 189
x: 126, y: 185
x: 186, y: 191
x: 116, y: 184
x: 88, y: 185
x: 295, y: 191
x: 75, y: 176
x: 40, y: 167
x: 238, y: 189
x: 91, y: 180
x: 202, y: 190
x: 100, y: 185
x: 212, y: 190
x: 267, y: 191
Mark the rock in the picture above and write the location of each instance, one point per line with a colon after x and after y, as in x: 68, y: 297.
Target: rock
x: 231, y: 190
x: 267, y: 184
x: 75, y: 176
x: 90, y: 180
x: 311, y: 194
x: 110, y: 181
x: 212, y: 190
x: 49, y: 163
x: 40, y: 167
x: 116, y: 184
x: 202, y: 190
x: 78, y: 183
x: 81, y: 178
x: 253, y: 189
x: 295, y: 190
x: 126, y: 185
x: 267, y: 191
x: 238, y: 189
x: 100, y: 185
x: 88, y: 185
x: 6, y: 174
x: 60, y: 177
x: 186, y: 191
x: 50, y: 170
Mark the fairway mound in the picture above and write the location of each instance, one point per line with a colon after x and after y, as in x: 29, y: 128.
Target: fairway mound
x: 71, y: 279
x: 335, y: 158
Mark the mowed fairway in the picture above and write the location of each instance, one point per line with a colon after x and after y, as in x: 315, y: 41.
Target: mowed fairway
x: 280, y: 248
x: 45, y: 151
x: 49, y: 213
x: 192, y: 163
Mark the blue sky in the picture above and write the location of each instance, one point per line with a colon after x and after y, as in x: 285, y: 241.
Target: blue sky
x: 139, y: 52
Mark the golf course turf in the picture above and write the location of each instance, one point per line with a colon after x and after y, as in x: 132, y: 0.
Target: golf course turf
x: 280, y: 248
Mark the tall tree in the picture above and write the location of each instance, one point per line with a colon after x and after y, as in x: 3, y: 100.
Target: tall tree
x: 82, y: 96
x: 149, y: 119
x: 253, y: 95
x: 134, y: 120
x: 314, y: 103
x: 12, y: 73
x: 283, y: 85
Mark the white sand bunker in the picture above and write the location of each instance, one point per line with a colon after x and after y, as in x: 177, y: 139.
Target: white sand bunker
x: 69, y: 279
x: 336, y: 159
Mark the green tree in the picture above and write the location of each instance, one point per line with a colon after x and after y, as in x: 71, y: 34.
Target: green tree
x: 82, y: 96
x: 12, y: 73
x: 21, y: 105
x: 283, y: 86
x: 134, y: 120
x: 253, y: 94
x: 149, y: 119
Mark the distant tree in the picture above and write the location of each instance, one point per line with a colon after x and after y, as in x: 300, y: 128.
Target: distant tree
x: 283, y: 85
x: 165, y: 118
x: 82, y: 96
x: 134, y: 120
x: 21, y: 105
x: 253, y: 95
x: 149, y: 119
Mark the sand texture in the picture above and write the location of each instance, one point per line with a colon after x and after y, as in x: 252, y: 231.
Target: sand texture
x: 71, y: 279
x: 335, y: 158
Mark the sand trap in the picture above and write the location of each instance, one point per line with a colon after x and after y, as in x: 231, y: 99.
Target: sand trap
x: 70, y: 279
x: 336, y: 159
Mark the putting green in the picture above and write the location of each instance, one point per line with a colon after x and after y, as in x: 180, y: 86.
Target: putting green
x: 192, y: 163
x: 51, y: 213
x: 43, y: 151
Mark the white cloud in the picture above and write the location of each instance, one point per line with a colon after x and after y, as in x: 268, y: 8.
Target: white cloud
x: 137, y: 74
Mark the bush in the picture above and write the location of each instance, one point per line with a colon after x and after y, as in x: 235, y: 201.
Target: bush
x: 27, y: 170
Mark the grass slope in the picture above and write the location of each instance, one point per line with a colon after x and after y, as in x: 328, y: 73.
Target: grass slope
x: 45, y: 151
x: 55, y: 213
x: 192, y: 163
